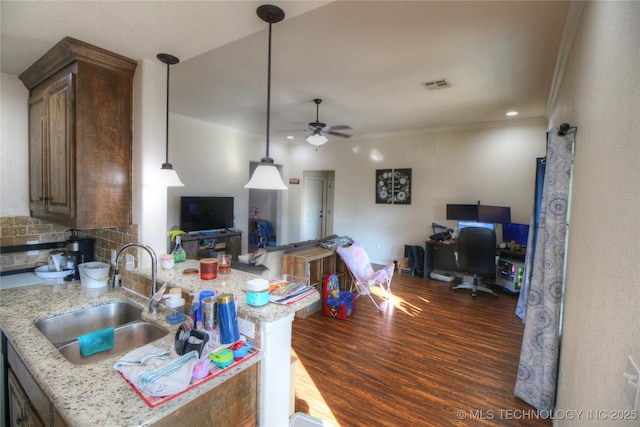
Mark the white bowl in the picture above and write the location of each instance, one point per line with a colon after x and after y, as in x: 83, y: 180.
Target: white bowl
x: 44, y: 273
x: 94, y: 274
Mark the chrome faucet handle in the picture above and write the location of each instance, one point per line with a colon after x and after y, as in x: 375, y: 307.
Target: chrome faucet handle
x: 115, y: 279
x: 157, y: 297
x: 154, y: 301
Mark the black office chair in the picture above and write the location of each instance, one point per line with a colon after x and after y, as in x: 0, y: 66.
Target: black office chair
x: 476, y: 254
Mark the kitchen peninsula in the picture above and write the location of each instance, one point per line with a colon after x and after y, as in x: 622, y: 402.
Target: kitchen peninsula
x: 96, y: 395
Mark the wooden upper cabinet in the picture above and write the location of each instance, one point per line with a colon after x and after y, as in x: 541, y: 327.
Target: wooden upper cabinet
x: 36, y: 155
x: 59, y: 176
x: 80, y: 142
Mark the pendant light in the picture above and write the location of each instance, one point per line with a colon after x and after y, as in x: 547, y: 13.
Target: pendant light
x: 266, y: 176
x: 168, y: 177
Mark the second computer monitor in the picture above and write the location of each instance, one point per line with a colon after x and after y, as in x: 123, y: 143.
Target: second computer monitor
x: 465, y: 224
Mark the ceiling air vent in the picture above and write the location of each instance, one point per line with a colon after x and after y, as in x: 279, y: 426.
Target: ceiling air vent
x: 436, y: 84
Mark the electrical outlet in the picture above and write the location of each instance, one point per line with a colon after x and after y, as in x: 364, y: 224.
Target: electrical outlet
x: 130, y: 262
x: 114, y: 254
x: 632, y: 383
x: 246, y: 328
x: 32, y: 253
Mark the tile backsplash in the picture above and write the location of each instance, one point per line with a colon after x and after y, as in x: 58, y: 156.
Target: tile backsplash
x: 22, y: 230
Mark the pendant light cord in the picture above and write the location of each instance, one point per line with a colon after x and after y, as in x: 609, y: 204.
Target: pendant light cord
x: 167, y: 123
x: 269, y: 90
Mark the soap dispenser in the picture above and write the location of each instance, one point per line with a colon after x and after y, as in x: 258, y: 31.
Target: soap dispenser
x: 175, y: 303
x: 179, y: 255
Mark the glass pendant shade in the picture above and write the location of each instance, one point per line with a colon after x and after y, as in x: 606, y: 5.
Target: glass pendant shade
x: 168, y: 177
x: 266, y: 177
x: 317, y: 139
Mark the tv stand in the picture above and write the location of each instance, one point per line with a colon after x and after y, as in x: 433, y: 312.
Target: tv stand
x: 199, y: 244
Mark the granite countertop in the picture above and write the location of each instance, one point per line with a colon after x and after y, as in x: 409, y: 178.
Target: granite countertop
x: 96, y: 394
x: 234, y: 282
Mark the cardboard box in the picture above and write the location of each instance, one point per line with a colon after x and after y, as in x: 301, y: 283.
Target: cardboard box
x: 309, y: 310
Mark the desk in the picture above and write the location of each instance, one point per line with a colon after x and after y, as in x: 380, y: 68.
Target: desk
x: 440, y: 256
x: 518, y: 254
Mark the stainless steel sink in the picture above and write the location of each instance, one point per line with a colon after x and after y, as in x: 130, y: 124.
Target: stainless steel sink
x: 127, y: 337
x: 130, y: 330
x: 66, y: 327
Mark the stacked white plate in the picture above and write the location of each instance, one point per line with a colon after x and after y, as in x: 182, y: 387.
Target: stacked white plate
x: 44, y: 273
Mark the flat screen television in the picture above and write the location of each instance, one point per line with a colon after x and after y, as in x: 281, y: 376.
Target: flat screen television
x: 206, y: 213
x: 518, y: 233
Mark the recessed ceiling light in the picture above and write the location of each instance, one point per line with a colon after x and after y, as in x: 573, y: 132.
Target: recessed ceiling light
x: 290, y: 137
x: 512, y: 113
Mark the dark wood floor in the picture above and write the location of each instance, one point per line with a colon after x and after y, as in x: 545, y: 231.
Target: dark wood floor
x: 433, y: 358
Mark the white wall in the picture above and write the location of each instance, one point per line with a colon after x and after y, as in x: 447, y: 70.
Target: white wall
x: 14, y: 147
x: 149, y: 142
x: 214, y: 161
x: 495, y: 165
x: 600, y: 94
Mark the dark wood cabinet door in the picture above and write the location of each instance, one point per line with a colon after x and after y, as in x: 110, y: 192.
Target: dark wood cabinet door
x: 36, y: 154
x: 60, y: 147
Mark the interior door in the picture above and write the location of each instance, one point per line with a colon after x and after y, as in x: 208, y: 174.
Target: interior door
x: 312, y: 224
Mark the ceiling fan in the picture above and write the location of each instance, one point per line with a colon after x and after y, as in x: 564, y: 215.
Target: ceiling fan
x: 318, y: 128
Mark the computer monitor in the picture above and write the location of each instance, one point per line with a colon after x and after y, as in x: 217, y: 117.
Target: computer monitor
x: 462, y: 212
x: 515, y: 232
x: 495, y: 214
x: 465, y: 224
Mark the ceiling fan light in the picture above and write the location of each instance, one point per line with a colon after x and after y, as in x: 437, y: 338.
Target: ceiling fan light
x: 266, y: 177
x: 317, y: 139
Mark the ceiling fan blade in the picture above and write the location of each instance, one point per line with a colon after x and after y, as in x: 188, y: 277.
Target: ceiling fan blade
x: 317, y: 127
x: 340, y: 134
x: 337, y: 127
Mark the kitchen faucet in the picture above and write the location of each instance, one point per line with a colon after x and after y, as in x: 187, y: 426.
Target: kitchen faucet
x: 153, y: 302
